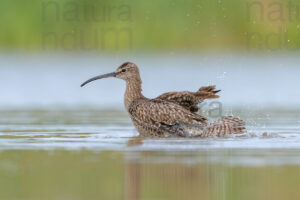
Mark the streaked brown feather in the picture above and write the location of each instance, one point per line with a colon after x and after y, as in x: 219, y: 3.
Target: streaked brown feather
x: 190, y: 100
x: 158, y: 114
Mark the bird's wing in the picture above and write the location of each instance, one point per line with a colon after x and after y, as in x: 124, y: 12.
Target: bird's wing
x: 207, y: 92
x: 190, y: 100
x: 185, y: 98
x: 160, y: 114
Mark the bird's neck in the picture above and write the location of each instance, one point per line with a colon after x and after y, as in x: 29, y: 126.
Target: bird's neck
x: 133, y: 91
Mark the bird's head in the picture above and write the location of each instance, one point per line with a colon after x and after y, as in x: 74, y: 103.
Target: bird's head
x: 127, y: 71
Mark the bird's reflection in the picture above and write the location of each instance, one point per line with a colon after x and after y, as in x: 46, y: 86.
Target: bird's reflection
x: 133, y: 181
x: 160, y: 179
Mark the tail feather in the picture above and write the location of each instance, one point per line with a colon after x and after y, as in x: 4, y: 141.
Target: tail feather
x: 225, y: 126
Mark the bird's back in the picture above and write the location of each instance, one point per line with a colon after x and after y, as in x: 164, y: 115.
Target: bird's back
x: 155, y: 117
x: 161, y: 117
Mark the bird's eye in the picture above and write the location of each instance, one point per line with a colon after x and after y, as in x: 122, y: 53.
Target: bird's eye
x: 123, y: 70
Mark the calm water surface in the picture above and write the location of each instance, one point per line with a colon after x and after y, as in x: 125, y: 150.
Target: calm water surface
x: 96, y: 154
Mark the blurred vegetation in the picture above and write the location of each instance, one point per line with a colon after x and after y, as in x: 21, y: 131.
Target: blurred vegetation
x: 133, y: 25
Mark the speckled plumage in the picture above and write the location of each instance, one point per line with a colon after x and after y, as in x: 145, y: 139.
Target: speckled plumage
x: 172, y: 113
x: 191, y: 100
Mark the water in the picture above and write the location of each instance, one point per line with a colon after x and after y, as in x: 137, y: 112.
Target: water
x: 45, y: 81
x: 59, y: 141
x: 112, y: 130
x: 95, y: 154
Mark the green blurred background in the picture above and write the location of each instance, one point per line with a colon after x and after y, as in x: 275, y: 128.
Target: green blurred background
x: 169, y: 25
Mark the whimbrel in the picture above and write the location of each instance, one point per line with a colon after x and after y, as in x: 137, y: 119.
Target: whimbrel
x: 170, y: 114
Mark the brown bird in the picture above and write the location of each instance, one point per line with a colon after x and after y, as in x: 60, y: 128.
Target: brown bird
x: 170, y: 114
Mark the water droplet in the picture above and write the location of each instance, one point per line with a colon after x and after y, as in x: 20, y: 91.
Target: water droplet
x: 188, y: 14
x: 222, y: 76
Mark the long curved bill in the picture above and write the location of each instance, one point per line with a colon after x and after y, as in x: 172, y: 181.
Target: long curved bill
x: 113, y: 74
